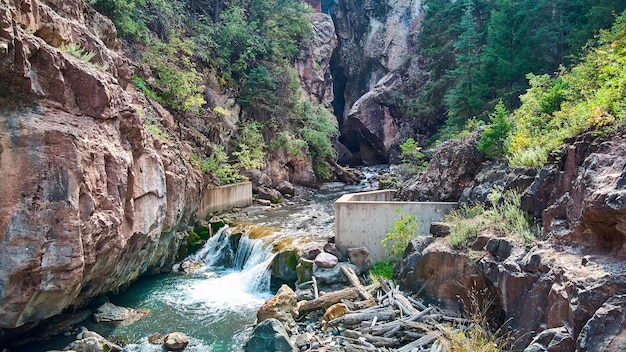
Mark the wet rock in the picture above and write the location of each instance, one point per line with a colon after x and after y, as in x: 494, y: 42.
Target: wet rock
x: 606, y: 330
x: 304, y: 270
x: 282, y: 307
x: 264, y: 202
x: 360, y: 257
x: 326, y: 260
x: 332, y: 249
x: 552, y: 340
x: 108, y: 312
x: 156, y: 339
x: 269, y: 336
x: 189, y: 266
x: 286, y: 189
x: 284, y: 265
x: 313, y: 253
x: 439, y: 229
x: 269, y: 194
x: 89, y: 341
x: 175, y: 341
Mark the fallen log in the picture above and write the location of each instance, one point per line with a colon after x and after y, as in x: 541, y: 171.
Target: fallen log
x: 357, y: 318
x: 377, y: 341
x: 354, y: 280
x: 328, y: 299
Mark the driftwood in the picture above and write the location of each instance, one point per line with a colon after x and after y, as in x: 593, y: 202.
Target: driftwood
x: 328, y: 299
x: 381, y: 318
x: 354, y: 281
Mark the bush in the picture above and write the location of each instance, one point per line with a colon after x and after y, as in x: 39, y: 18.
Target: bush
x: 178, y: 83
x: 383, y: 269
x: 249, y: 146
x: 217, y: 165
x: 401, y: 232
x: 493, y: 140
x: 411, y: 154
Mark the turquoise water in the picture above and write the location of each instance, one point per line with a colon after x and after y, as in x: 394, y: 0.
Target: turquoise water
x: 214, y: 307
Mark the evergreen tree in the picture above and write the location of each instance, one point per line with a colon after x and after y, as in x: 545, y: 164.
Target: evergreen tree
x: 493, y: 141
x: 464, y: 99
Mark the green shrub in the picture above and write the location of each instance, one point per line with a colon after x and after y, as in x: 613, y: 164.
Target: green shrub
x: 411, y: 154
x: 77, y: 51
x: 493, y: 140
x: 178, y: 82
x: 217, y: 165
x: 507, y: 216
x: 249, y: 146
x: 465, y: 224
x: 401, y: 232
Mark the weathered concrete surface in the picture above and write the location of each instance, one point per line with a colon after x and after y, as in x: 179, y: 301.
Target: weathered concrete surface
x: 217, y: 199
x: 363, y: 219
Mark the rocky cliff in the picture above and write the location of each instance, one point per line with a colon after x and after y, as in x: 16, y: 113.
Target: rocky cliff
x: 564, y: 292
x: 374, y: 58
x: 89, y: 199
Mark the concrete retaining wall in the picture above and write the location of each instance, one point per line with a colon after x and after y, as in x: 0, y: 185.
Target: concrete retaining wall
x: 225, y: 198
x: 363, y: 219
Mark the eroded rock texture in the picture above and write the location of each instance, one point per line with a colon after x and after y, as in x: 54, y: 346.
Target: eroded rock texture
x: 89, y: 200
x: 375, y: 51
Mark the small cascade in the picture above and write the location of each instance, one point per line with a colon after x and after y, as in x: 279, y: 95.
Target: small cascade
x: 246, y: 260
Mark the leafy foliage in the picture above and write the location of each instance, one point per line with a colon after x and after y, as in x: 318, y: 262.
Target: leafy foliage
x: 249, y: 145
x: 590, y: 96
x: 411, y: 153
x: 217, y: 164
x: 401, y: 232
x: 383, y: 269
x: 178, y: 82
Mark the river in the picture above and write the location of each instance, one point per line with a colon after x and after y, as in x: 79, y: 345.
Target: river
x: 215, y: 307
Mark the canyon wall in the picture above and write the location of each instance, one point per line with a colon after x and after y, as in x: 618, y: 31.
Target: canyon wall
x: 89, y: 198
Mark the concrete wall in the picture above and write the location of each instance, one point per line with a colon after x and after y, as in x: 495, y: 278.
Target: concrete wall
x: 363, y: 219
x: 225, y: 198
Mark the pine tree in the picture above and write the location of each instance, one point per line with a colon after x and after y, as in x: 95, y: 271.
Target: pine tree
x: 464, y: 100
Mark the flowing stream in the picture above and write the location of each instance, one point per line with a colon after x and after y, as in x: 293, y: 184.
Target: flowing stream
x: 216, y: 305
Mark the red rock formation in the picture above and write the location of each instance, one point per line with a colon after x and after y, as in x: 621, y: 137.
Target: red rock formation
x: 89, y: 199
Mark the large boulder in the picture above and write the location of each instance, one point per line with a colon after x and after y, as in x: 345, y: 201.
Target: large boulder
x: 90, y: 200
x: 175, y: 341
x: 269, y: 336
x: 606, y: 330
x: 283, y: 307
x: 452, y: 168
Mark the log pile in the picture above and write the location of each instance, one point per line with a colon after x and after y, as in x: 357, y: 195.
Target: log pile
x: 378, y: 317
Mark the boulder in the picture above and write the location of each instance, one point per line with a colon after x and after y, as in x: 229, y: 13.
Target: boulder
x: 286, y: 189
x: 326, y: 260
x: 332, y: 249
x: 269, y: 336
x: 333, y: 275
x: 175, y: 341
x: 282, y: 307
x: 108, y: 312
x: 439, y: 229
x: 90, y: 341
x: 304, y: 270
x: 268, y: 193
x: 264, y: 202
x: 499, y: 247
x: 606, y: 330
x: 284, y: 265
x: 452, y: 168
x: 360, y: 257
x: 552, y: 340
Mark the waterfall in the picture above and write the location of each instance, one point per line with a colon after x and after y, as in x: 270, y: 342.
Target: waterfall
x: 246, y: 260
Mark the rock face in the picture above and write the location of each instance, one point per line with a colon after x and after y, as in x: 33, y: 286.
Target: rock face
x: 375, y: 40
x: 89, y: 199
x: 452, y: 168
x: 313, y: 61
